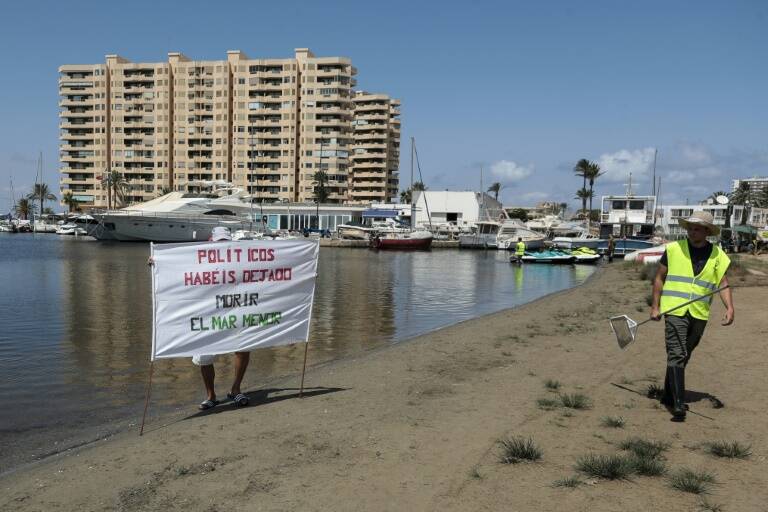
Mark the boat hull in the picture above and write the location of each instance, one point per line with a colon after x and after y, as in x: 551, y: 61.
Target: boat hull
x: 550, y: 260
x: 402, y: 242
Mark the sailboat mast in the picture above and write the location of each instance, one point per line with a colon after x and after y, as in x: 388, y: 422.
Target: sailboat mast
x: 482, y: 194
x: 413, y: 205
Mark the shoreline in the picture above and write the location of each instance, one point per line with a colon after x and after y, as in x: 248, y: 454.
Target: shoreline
x: 415, y: 423
x: 124, y: 424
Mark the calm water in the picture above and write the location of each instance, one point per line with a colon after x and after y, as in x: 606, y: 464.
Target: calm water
x: 75, y: 342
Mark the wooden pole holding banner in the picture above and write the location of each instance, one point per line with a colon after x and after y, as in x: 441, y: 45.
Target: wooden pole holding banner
x: 146, y: 402
x: 303, y: 370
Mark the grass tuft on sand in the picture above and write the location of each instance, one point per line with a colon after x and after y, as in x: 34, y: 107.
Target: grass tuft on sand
x: 654, y: 391
x: 611, y: 467
x: 547, y: 404
x: 643, y: 448
x: 707, y: 506
x: 552, y: 385
x: 728, y: 449
x: 575, y: 401
x: 519, y: 449
x: 688, y: 480
x: 570, y: 482
x: 647, y: 466
x: 612, y: 421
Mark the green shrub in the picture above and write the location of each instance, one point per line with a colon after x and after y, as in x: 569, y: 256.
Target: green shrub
x: 519, y: 449
x: 611, y: 467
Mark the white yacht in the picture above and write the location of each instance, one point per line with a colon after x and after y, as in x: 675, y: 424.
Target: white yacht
x: 491, y: 234
x: 176, y: 217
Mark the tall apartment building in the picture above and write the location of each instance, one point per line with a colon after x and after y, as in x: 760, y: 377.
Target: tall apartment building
x: 84, y: 131
x: 376, y: 148
x: 267, y: 125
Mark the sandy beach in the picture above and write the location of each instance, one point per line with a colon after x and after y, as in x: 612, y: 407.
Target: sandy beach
x: 416, y: 426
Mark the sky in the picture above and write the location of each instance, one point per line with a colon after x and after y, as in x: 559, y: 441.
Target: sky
x: 518, y: 89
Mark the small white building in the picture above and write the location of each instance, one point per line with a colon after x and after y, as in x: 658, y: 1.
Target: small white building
x: 463, y: 209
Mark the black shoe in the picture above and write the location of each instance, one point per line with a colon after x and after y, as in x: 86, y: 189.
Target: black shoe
x: 678, y: 393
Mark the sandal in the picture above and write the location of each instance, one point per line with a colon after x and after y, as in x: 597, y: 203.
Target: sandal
x: 207, y: 404
x: 239, y: 399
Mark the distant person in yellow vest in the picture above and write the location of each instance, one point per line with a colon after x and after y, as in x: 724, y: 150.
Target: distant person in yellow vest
x: 520, y: 249
x: 688, y: 268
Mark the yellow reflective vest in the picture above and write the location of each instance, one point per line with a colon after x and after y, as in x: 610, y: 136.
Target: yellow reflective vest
x: 520, y: 248
x: 681, y: 285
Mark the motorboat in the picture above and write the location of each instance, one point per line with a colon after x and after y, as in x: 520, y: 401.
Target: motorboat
x: 548, y: 257
x: 353, y: 231
x: 484, y: 235
x: 646, y: 256
x: 570, y: 242
x: 584, y: 255
x: 624, y: 246
x: 177, y: 217
x: 70, y: 228
x: 363, y: 232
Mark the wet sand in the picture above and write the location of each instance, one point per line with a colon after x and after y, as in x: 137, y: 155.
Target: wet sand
x: 416, y: 426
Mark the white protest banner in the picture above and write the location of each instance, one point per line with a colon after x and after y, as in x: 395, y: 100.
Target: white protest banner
x: 222, y: 297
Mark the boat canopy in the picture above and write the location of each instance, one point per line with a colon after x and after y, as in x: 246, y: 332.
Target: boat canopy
x: 373, y: 213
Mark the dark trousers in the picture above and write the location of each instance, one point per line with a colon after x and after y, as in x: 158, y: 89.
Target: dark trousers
x: 682, y: 334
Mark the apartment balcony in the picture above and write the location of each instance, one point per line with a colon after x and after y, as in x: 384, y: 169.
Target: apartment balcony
x: 369, y: 165
x: 69, y: 102
x: 369, y: 174
x: 371, y: 109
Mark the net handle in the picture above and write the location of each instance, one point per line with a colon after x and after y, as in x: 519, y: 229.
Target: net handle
x: 687, y: 303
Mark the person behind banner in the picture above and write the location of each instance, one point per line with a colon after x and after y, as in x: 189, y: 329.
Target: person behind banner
x: 205, y: 362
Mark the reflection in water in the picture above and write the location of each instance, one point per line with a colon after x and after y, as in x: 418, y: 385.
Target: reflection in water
x: 79, y: 328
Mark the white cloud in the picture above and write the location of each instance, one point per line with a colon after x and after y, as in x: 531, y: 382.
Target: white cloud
x: 508, y: 171
x: 534, y: 196
x: 680, y: 177
x: 618, y: 165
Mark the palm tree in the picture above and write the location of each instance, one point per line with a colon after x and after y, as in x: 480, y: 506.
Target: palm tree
x: 405, y: 195
x: 41, y: 192
x: 69, y: 200
x: 23, y: 208
x: 563, y: 209
x: 582, y: 169
x: 592, y: 173
x: 762, y: 199
x: 321, y: 192
x: 116, y: 187
x: 584, y: 194
x: 494, y: 189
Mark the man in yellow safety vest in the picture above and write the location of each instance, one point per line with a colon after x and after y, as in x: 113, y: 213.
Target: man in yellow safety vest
x: 689, y: 268
x: 520, y: 249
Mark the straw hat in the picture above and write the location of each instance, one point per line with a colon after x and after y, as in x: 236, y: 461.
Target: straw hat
x: 701, y: 218
x: 220, y: 233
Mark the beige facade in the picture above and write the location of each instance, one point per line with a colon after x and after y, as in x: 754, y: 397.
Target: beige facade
x: 375, y: 149
x: 83, y: 131
x: 267, y: 125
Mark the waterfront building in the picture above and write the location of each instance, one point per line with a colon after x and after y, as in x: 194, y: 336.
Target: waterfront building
x: 376, y: 148
x: 84, y: 131
x: 266, y: 125
x: 463, y: 209
x: 668, y: 217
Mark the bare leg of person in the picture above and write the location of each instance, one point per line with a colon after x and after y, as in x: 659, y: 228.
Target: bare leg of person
x: 241, y: 364
x: 209, y: 375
